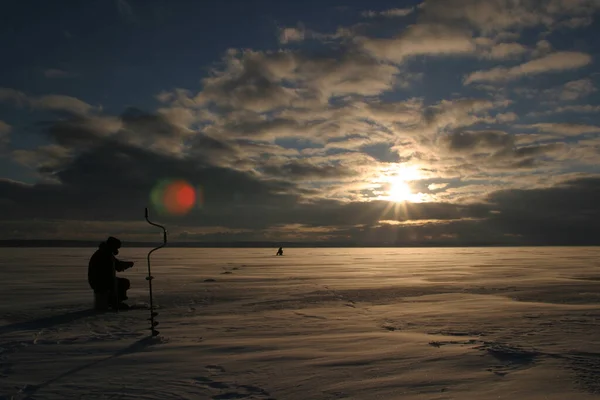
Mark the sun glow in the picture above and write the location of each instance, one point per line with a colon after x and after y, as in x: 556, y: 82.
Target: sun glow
x: 399, y: 190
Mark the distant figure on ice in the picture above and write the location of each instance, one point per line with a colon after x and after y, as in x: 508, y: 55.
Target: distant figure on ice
x: 109, y: 291
x: 280, y: 251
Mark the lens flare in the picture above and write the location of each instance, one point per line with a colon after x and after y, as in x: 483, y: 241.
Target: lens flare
x: 175, y: 197
x: 179, y: 198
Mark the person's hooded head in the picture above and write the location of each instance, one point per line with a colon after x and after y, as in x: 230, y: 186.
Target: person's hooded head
x: 113, y: 244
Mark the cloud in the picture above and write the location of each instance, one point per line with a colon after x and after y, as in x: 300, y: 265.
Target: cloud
x: 391, y: 13
x: 463, y: 141
x: 178, y: 97
x: 89, y: 182
x: 560, y: 61
x: 566, y: 129
x: 44, y: 160
x: 506, y: 117
x: 573, y: 90
x: 251, y: 81
x: 581, y: 108
x: 81, y: 131
x: 288, y: 35
x: 47, y: 102
x: 459, y: 112
x: 351, y: 74
x: 489, y: 16
x: 565, y: 213
x: 153, y: 131
x: 247, y: 206
x: 14, y: 96
x: 420, y: 39
x: 257, y: 126
x: 577, y: 22
x: 437, y: 186
x: 498, y: 151
x: 505, y: 50
x: 542, y: 48
x: 49, y: 156
x: 493, y: 16
x: 381, y: 152
x: 298, y: 142
x: 301, y: 169
x: 263, y: 81
x: 62, y: 103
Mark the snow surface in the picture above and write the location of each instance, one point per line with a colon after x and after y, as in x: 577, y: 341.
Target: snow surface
x: 469, y: 323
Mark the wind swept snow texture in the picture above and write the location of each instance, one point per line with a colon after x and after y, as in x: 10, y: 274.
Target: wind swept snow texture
x: 480, y: 323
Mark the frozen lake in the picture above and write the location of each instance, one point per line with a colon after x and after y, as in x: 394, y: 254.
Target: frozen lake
x: 468, y: 323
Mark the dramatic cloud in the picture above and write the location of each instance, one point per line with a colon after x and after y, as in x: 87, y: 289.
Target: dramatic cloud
x: 310, y: 138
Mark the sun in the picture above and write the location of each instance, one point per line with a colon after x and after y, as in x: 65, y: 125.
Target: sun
x: 400, y: 191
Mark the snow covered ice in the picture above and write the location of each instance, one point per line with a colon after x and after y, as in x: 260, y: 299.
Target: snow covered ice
x: 469, y: 323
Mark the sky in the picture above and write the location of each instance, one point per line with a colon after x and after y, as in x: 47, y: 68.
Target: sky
x: 436, y: 122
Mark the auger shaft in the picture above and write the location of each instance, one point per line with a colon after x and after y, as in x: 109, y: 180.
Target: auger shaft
x: 149, y: 278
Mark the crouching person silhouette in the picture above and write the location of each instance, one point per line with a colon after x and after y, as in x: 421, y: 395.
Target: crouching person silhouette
x: 109, y: 290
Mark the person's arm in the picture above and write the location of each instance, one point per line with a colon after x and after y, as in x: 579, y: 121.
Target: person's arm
x: 122, y: 265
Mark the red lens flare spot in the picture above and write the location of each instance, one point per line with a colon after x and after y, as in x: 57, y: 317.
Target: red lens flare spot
x: 179, y: 197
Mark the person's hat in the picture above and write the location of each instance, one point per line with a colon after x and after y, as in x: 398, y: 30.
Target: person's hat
x: 113, y: 242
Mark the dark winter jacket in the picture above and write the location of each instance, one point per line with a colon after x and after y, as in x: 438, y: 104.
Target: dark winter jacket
x: 102, y: 267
